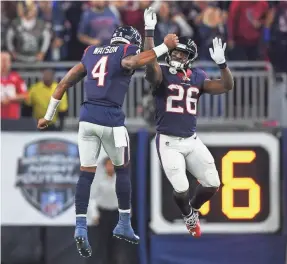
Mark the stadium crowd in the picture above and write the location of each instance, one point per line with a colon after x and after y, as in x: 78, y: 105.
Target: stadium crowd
x: 35, y: 31
x: 60, y: 30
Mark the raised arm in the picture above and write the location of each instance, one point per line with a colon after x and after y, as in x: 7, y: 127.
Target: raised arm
x: 146, y: 57
x: 153, y: 70
x: 226, y: 82
x: 74, y: 75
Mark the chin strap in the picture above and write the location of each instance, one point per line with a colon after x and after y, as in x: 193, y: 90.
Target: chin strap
x: 185, y: 77
x: 173, y: 70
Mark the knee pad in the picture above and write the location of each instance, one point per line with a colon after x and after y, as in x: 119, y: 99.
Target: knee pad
x: 178, y: 179
x: 211, y: 178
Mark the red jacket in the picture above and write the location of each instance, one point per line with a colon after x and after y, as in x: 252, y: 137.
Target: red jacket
x: 12, y: 85
x: 239, y: 24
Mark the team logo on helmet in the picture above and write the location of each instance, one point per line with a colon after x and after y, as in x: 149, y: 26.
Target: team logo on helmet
x: 47, y: 175
x: 127, y: 34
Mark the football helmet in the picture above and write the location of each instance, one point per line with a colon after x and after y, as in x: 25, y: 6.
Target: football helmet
x: 128, y: 35
x: 189, y: 48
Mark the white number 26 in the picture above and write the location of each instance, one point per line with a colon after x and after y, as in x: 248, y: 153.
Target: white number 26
x: 190, y: 97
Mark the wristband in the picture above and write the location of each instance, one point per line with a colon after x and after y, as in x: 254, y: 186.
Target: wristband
x: 149, y: 33
x: 160, y: 50
x: 222, y: 65
x: 52, y: 108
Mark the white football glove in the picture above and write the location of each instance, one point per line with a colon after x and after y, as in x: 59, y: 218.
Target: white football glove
x: 150, y: 19
x: 217, y: 54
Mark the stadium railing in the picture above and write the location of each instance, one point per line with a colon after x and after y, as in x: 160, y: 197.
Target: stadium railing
x: 251, y: 101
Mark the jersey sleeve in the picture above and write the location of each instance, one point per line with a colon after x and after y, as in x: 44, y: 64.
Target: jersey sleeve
x: 83, y: 60
x: 130, y: 50
x: 160, y: 88
x: 203, y: 77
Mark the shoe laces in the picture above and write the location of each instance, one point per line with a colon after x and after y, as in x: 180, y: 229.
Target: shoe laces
x: 191, y: 220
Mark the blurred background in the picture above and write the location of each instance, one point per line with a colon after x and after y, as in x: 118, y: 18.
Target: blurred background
x: 246, y: 222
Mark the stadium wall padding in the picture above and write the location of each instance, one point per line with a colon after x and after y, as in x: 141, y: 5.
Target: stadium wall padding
x: 49, y: 244
x: 142, y: 156
x: 284, y: 174
x: 218, y: 249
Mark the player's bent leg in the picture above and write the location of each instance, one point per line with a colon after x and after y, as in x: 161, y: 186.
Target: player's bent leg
x: 89, y: 148
x: 207, y: 188
x: 182, y: 201
x: 173, y: 163
x: 200, y: 163
x: 120, y: 158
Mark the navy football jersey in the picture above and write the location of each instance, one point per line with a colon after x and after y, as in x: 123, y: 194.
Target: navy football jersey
x: 106, y: 84
x: 176, y: 102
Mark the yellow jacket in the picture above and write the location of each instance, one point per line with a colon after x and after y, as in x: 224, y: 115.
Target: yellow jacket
x: 39, y: 98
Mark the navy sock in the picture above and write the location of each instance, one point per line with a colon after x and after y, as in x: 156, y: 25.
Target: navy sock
x: 123, y: 187
x: 202, y: 195
x: 83, y: 192
x: 182, y: 201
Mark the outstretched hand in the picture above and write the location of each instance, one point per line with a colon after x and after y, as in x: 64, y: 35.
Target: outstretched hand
x: 150, y: 19
x: 217, y: 53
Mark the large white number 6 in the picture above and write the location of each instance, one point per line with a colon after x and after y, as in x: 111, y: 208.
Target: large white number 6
x: 99, y: 70
x: 179, y: 97
x: 190, y: 100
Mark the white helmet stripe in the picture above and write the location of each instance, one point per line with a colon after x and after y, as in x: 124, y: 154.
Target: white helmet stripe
x: 121, y: 39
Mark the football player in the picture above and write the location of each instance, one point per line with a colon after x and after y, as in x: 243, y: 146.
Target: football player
x: 109, y: 70
x: 177, y: 88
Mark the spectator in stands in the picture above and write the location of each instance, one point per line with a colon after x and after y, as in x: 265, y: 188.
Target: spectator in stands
x: 97, y: 24
x: 193, y: 13
x: 13, y: 90
x: 103, y: 213
x: 116, y: 6
x: 179, y: 18
x: 28, y: 38
x: 208, y: 21
x: 165, y: 24
x: 245, y: 23
x: 211, y: 25
x: 39, y: 98
x: 74, y: 11
x: 8, y: 13
x: 53, y: 13
x: 278, y: 37
x: 132, y: 14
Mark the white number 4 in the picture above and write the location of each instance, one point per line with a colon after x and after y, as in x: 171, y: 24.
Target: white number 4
x: 99, y: 71
x: 190, y: 100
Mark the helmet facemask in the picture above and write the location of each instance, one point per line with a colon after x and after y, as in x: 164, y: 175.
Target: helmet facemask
x: 182, y: 56
x: 178, y: 59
